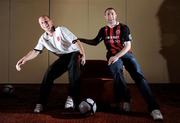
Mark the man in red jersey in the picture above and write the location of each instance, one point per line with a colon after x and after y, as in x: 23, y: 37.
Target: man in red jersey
x: 117, y: 39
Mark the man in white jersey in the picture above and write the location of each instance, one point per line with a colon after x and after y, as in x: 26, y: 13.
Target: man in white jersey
x: 68, y: 48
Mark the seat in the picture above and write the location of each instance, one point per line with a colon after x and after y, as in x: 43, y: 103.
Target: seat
x: 97, y: 81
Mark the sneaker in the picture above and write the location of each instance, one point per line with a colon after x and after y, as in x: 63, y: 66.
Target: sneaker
x: 69, y: 103
x: 156, y: 114
x: 38, y: 108
x: 126, y: 107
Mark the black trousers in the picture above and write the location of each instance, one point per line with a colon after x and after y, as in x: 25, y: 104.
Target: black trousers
x: 67, y: 62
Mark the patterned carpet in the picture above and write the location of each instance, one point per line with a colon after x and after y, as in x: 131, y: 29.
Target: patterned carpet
x: 18, y: 108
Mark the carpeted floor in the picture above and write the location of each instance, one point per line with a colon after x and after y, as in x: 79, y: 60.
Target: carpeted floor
x: 19, y: 107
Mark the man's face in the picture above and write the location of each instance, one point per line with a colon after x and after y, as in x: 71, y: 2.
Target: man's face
x: 45, y: 23
x: 110, y: 16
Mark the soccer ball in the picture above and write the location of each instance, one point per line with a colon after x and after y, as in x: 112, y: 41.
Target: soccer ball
x: 87, y: 106
x: 8, y: 90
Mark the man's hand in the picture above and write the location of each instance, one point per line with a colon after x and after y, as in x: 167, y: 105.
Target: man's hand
x: 112, y: 60
x: 19, y: 63
x: 83, y: 60
x: 18, y: 68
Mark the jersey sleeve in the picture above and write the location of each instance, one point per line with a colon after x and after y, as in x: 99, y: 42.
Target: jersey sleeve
x: 126, y: 35
x: 39, y: 46
x: 68, y: 35
x: 94, y: 41
x: 100, y: 36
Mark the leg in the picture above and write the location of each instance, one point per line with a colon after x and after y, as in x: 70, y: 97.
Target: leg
x: 53, y: 72
x: 74, y: 80
x: 121, y: 90
x: 74, y: 74
x: 134, y: 69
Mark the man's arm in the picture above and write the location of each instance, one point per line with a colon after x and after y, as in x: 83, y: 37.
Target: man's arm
x: 94, y: 41
x: 127, y: 47
x: 31, y: 55
x: 89, y: 41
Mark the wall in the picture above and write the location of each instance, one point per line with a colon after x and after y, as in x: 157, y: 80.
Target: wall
x: 20, y: 33
x: 84, y: 18
x: 169, y: 23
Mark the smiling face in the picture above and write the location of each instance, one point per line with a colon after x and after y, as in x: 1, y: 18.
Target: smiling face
x: 110, y: 16
x: 46, y: 23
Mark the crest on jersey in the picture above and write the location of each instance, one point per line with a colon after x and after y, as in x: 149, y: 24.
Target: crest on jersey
x: 58, y: 38
x: 118, y: 32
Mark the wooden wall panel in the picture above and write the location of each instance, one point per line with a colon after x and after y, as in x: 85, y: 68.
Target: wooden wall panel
x: 72, y: 14
x: 25, y: 32
x: 143, y: 22
x: 4, y: 40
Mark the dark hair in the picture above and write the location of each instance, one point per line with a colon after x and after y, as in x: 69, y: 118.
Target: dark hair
x: 110, y: 8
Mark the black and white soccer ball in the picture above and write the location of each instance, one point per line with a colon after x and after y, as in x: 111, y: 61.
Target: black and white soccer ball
x: 88, y: 107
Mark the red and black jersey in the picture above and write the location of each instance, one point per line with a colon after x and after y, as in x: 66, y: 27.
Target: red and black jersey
x: 114, y: 38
